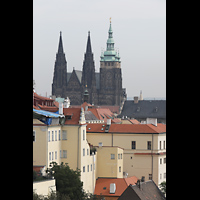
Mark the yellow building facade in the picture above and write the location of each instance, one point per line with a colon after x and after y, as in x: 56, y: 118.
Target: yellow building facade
x: 68, y: 144
x: 144, y: 147
x: 110, y: 162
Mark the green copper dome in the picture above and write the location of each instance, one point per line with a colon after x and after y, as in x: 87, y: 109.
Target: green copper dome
x: 110, y: 54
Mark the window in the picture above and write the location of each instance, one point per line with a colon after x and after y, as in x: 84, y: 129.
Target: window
x: 150, y: 176
x: 49, y: 136
x: 83, y: 151
x: 55, y: 135
x: 149, y: 145
x: 100, y: 144
x: 121, y: 155
x: 160, y: 176
x: 112, y: 156
x: 91, y: 167
x: 160, y: 145
x: 118, y: 156
x: 60, y: 154
x: 133, y: 145
x: 33, y: 136
x: 164, y: 160
x: 163, y: 144
x: 164, y: 175
x: 160, y: 160
x: 49, y: 155
x: 52, y: 156
x: 64, y: 153
x: 87, y: 151
x: 55, y: 155
x: 59, y: 135
x: 83, y: 134
x: 120, y: 169
x: 83, y: 168
x: 88, y: 168
x: 52, y: 136
x: 64, y: 135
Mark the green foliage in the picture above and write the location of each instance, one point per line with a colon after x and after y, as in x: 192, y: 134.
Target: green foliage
x: 163, y: 187
x: 67, y: 180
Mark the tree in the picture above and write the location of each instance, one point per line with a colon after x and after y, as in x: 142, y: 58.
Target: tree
x: 163, y: 187
x: 67, y: 180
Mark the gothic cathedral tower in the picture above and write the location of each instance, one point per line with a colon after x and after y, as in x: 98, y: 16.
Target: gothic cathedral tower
x: 60, y: 72
x: 88, y: 74
x: 111, y: 92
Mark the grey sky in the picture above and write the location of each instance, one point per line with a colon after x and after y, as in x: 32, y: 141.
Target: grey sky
x: 139, y: 32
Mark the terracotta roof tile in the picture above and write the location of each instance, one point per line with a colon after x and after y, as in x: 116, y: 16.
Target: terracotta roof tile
x: 103, y: 185
x: 75, y: 113
x: 128, y: 128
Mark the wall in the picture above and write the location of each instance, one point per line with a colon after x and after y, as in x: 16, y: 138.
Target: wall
x: 108, y: 167
x: 44, y: 187
x: 54, y: 146
x: 74, y: 146
x: 40, y: 145
x: 133, y: 163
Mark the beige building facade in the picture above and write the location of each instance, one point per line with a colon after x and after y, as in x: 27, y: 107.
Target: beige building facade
x: 110, y: 162
x: 68, y: 144
x: 144, y: 147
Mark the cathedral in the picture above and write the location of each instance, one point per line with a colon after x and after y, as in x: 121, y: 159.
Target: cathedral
x: 102, y: 88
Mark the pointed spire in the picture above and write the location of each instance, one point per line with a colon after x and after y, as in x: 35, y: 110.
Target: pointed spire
x: 89, y: 48
x: 60, y: 46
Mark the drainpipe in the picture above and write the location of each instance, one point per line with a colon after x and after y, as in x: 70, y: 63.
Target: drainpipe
x: 112, y: 139
x: 152, y: 158
x: 78, y: 148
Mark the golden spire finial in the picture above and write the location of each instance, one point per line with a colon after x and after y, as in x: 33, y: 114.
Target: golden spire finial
x: 110, y: 19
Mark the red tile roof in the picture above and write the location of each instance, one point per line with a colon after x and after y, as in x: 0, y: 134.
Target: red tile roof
x: 74, y: 113
x: 48, y: 108
x: 101, y: 112
x: 36, y: 96
x: 102, y: 186
x: 128, y: 128
x: 134, y: 121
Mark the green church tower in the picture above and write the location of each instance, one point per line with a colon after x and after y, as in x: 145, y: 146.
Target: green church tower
x: 111, y: 92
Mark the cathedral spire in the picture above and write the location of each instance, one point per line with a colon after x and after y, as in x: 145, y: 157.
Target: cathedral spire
x: 89, y: 48
x: 60, y: 46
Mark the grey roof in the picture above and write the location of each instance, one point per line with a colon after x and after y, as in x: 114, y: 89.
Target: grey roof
x: 90, y: 116
x: 79, y: 75
x: 147, y: 190
x: 144, y: 109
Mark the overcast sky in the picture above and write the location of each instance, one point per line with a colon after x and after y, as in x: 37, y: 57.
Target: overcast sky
x: 139, y: 32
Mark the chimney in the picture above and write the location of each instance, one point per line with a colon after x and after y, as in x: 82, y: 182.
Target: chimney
x: 143, y: 179
x: 108, y: 121
x: 60, y: 108
x: 138, y: 184
x: 141, y: 97
x: 112, y: 188
x: 152, y: 121
x: 135, y: 99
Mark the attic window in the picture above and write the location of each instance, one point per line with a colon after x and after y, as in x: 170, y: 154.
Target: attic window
x: 104, y: 188
x: 156, y: 109
x: 102, y: 116
x: 89, y: 128
x: 68, y: 117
